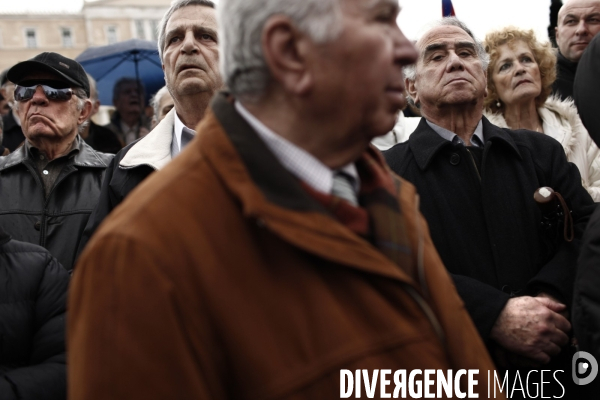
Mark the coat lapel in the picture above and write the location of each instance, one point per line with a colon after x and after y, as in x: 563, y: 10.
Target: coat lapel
x: 273, y: 196
x: 154, y: 149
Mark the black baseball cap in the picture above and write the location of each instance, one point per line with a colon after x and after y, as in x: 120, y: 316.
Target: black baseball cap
x: 69, y: 69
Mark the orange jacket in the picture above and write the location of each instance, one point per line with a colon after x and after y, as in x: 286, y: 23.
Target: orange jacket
x: 219, y: 277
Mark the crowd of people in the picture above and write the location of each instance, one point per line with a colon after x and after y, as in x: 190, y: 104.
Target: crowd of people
x: 277, y: 218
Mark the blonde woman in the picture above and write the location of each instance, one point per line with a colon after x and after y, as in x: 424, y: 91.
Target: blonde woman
x: 520, y: 77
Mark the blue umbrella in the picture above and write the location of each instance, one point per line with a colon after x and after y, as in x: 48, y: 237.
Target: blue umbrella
x: 134, y: 58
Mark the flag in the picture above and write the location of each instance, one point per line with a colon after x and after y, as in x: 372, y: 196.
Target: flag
x: 447, y: 8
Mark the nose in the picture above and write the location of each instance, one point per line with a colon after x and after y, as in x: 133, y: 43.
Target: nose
x: 454, y: 62
x: 189, y: 44
x: 405, y: 52
x: 39, y: 97
x: 520, y: 68
x: 582, y: 28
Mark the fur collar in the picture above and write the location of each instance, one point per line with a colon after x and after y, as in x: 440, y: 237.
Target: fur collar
x: 154, y: 149
x: 561, y: 116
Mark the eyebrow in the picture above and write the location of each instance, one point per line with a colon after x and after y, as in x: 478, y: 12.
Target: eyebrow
x: 195, y: 28
x: 376, y: 3
x: 443, y: 46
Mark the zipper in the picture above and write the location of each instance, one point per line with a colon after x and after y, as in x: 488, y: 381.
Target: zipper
x: 474, y: 164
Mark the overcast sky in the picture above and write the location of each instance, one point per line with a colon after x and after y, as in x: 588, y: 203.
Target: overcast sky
x: 480, y: 15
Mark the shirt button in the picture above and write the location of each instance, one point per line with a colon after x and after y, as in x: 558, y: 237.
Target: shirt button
x: 41, y: 157
x: 454, y: 159
x: 45, y: 172
x: 37, y: 225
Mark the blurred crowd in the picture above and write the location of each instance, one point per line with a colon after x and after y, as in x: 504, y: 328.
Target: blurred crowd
x: 310, y: 192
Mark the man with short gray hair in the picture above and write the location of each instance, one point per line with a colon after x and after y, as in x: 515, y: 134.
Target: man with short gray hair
x: 188, y: 48
x: 290, y: 253
x: 476, y: 183
x: 50, y: 184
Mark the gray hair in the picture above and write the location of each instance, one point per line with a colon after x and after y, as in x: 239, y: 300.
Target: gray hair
x: 241, y: 22
x: 410, y: 70
x: 175, y: 5
x: 93, y: 88
x: 155, y: 100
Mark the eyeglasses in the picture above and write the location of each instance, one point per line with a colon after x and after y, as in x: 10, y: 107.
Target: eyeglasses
x: 25, y: 93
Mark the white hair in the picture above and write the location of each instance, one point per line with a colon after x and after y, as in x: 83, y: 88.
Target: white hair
x: 241, y: 23
x: 175, y: 5
x: 155, y: 100
x: 410, y: 71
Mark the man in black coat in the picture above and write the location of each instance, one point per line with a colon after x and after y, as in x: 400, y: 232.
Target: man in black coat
x: 476, y: 183
x: 32, y: 322
x: 586, y: 301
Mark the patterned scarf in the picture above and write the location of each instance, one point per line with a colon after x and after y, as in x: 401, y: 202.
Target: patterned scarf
x: 379, y: 218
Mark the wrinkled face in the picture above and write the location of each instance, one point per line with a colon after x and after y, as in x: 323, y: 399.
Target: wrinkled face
x: 516, y: 74
x: 578, y: 22
x: 130, y: 99
x: 448, y: 72
x: 358, y: 77
x: 191, y: 54
x: 49, y: 120
x: 164, y: 106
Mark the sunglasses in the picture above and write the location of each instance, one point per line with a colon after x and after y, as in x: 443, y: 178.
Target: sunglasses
x: 25, y: 93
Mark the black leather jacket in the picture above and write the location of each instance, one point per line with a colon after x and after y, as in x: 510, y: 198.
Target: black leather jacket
x: 57, y: 222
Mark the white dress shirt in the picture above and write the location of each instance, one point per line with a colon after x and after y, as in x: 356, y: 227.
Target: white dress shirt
x: 299, y: 162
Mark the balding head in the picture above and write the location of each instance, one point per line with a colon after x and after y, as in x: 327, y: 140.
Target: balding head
x: 578, y: 22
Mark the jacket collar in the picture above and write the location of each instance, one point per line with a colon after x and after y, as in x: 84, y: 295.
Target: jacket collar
x: 276, y: 183
x: 85, y: 157
x: 566, y: 63
x: 154, y: 149
x: 271, y: 195
x: 425, y: 143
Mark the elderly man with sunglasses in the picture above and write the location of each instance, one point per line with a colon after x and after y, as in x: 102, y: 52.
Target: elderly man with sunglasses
x: 51, y: 184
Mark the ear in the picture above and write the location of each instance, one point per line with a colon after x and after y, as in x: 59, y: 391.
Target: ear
x: 284, y: 49
x: 556, y: 32
x: 412, y: 90
x: 86, y: 112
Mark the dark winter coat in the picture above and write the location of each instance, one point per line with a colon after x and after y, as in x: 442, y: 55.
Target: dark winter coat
x: 100, y: 138
x: 587, y: 87
x: 586, y: 303
x: 565, y: 76
x: 57, y: 222
x: 129, y: 168
x: 485, y: 225
x: 13, y: 134
x: 32, y: 322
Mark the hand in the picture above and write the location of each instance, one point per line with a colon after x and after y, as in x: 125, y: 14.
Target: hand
x: 6, y: 152
x: 564, y: 313
x: 532, y: 327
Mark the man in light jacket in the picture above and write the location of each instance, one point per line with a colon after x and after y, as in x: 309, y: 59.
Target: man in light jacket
x: 190, y: 63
